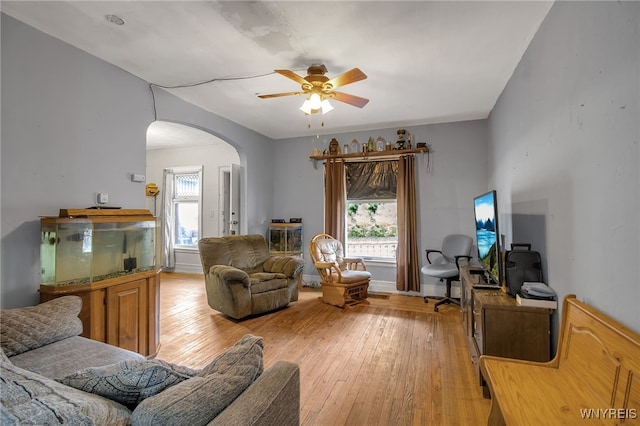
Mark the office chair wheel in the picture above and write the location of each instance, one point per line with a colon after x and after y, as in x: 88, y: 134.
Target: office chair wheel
x: 435, y: 308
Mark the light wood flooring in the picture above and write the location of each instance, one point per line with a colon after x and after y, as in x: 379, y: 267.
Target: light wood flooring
x: 392, y: 362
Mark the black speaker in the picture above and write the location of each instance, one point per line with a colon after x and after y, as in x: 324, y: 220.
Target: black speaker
x: 521, y: 265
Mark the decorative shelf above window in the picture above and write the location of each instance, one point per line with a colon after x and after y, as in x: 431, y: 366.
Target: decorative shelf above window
x: 370, y: 155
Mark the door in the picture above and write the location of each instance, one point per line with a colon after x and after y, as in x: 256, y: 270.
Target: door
x: 224, y: 200
x: 234, y: 199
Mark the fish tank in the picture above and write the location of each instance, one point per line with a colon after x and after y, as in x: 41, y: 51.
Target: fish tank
x: 83, y: 246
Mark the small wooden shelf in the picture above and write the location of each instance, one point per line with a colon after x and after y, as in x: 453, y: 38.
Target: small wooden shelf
x: 370, y: 155
x: 391, y: 154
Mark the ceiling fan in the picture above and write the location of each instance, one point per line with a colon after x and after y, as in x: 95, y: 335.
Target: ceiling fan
x: 319, y: 88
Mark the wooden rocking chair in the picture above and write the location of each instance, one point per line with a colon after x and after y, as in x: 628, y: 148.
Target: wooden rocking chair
x: 345, y: 281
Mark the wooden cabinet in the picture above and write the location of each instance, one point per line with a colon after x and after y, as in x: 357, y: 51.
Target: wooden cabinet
x: 495, y: 325
x: 123, y: 312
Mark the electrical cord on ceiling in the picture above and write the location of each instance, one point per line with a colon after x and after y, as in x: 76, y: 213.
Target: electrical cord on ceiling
x: 213, y: 80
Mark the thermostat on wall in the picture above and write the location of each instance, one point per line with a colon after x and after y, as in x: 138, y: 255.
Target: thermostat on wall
x: 102, y: 198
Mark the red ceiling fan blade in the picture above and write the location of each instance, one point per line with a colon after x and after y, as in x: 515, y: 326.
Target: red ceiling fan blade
x: 349, y: 99
x: 343, y: 79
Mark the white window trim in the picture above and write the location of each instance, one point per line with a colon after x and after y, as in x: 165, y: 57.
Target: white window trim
x: 189, y: 170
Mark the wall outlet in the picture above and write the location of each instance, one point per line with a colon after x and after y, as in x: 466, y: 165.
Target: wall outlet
x: 136, y: 177
x: 102, y: 198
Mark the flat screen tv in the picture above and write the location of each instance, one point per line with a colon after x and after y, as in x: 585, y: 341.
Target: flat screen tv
x: 487, y: 234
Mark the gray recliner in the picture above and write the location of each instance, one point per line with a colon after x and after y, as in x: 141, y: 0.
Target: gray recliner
x: 242, y: 278
x: 444, y: 264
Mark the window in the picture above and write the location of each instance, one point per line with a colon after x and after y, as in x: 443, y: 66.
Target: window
x: 371, y: 211
x: 372, y: 229
x: 186, y: 208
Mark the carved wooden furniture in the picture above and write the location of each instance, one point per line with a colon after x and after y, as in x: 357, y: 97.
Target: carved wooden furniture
x: 345, y: 281
x: 595, y: 374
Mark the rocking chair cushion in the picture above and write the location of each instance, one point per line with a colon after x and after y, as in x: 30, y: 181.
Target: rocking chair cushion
x: 350, y: 277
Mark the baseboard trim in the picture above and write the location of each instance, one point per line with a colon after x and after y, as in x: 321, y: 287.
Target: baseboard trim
x: 187, y: 268
x: 435, y: 290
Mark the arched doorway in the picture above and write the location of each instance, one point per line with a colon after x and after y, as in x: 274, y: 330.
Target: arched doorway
x: 191, y: 157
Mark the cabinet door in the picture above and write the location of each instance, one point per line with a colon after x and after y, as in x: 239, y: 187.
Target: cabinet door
x: 127, y: 316
x: 517, y: 334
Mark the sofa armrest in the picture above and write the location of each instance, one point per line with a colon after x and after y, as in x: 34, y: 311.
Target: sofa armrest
x: 229, y: 274
x: 291, y: 266
x: 272, y: 399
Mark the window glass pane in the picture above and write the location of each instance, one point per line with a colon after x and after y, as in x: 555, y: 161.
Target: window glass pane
x: 186, y: 223
x: 187, y: 185
x: 372, y: 229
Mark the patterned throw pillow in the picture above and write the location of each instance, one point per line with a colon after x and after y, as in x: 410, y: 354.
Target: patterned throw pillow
x: 129, y: 382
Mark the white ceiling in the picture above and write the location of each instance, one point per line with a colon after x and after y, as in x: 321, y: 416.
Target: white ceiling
x: 426, y: 62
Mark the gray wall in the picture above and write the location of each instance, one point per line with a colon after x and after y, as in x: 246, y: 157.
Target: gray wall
x: 564, y: 156
x: 66, y: 135
x: 447, y: 180
x: 74, y: 125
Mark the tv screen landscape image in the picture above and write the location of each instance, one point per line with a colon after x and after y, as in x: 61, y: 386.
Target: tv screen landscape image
x: 486, y: 215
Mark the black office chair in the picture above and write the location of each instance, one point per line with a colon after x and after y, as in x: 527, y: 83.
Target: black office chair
x: 445, y: 266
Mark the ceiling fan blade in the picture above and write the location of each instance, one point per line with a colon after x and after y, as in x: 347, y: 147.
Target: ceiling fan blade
x: 293, y: 76
x: 277, y: 95
x: 350, y: 99
x: 348, y: 77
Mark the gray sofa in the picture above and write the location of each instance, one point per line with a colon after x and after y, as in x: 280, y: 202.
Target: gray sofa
x: 242, y: 278
x: 51, y: 375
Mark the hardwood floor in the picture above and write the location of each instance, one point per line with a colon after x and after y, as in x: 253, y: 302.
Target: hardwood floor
x: 392, y: 362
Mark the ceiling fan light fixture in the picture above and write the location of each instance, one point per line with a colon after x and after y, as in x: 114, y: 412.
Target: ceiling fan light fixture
x: 315, y: 101
x: 326, y: 106
x: 306, y: 107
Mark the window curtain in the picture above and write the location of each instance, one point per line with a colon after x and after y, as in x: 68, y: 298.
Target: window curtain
x: 167, y: 219
x: 372, y: 180
x: 407, y: 259
x: 334, y: 199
